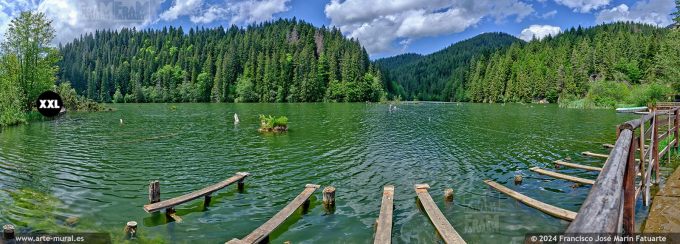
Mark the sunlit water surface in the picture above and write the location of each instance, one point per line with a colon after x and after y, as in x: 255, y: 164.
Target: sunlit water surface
x: 90, y: 166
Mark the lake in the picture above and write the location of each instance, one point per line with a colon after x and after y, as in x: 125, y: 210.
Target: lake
x: 90, y: 166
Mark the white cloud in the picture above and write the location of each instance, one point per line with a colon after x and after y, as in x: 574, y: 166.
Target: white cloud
x: 539, y: 32
x: 71, y: 18
x: 584, y: 6
x: 237, y: 12
x: 655, y: 12
x: 379, y: 24
x: 181, y: 8
x: 549, y: 14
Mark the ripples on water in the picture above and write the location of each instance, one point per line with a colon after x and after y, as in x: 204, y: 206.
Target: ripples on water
x: 91, y: 166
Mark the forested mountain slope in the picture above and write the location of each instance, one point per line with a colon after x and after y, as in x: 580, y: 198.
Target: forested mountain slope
x: 440, y: 75
x: 281, y: 61
x: 604, y: 64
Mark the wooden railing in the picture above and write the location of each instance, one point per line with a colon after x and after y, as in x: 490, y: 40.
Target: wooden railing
x: 610, y: 205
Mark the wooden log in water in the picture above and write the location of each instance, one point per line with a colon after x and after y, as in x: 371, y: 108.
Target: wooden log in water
x: 262, y: 233
x: 440, y: 222
x: 562, y: 176
x: 596, y: 155
x: 194, y: 195
x: 543, y: 207
x: 577, y: 166
x: 383, y: 232
x: 599, y: 155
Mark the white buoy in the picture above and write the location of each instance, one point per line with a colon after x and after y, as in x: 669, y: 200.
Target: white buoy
x: 121, y: 121
x: 236, y: 120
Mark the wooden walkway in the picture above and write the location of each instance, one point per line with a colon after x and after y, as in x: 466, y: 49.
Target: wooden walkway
x: 383, y: 233
x: 167, y: 204
x: 261, y: 234
x: 543, y: 207
x: 440, y: 222
x: 664, y: 216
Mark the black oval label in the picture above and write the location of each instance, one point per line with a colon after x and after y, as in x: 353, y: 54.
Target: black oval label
x: 49, y: 104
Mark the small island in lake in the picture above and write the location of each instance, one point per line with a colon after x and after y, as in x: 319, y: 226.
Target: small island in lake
x: 273, y: 124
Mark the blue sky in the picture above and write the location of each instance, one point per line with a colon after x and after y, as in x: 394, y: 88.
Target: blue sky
x: 384, y: 27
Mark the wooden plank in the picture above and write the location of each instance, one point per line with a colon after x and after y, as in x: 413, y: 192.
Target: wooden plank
x: 440, y: 222
x: 596, y: 155
x: 601, y: 211
x: 265, y: 229
x: 578, y: 166
x: 149, y: 208
x: 599, y: 155
x: 541, y: 206
x: 562, y: 176
x: 610, y: 146
x: 383, y: 233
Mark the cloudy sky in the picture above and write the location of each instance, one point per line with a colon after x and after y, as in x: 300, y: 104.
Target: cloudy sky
x: 384, y: 27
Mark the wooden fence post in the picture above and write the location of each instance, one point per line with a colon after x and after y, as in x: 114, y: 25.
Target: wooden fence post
x: 676, y: 131
x: 643, y: 173
x: 655, y: 146
x: 629, y: 191
x: 154, y: 191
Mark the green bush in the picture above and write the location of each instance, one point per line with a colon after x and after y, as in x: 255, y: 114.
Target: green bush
x: 607, y: 94
x: 648, y: 93
x: 270, y: 122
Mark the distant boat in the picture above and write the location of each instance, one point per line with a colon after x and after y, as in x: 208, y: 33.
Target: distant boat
x: 631, y: 109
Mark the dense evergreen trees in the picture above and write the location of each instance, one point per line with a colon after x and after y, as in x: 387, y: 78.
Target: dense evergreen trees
x: 441, y: 75
x: 281, y: 61
x: 565, y: 66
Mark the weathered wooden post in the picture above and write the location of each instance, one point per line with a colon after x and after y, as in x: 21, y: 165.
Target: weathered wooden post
x: 655, y: 145
x: 448, y: 195
x: 154, y: 191
x: 329, y: 199
x: 676, y: 131
x: 329, y: 195
x: 643, y: 173
x: 629, y: 191
x: 172, y: 214
x: 241, y: 185
x: 8, y: 232
x: 518, y: 179
x: 206, y: 201
x: 131, y: 229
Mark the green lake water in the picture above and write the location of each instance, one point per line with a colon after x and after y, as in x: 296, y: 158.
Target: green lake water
x: 90, y: 166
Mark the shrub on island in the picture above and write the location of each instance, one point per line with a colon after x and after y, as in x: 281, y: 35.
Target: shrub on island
x: 273, y: 124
